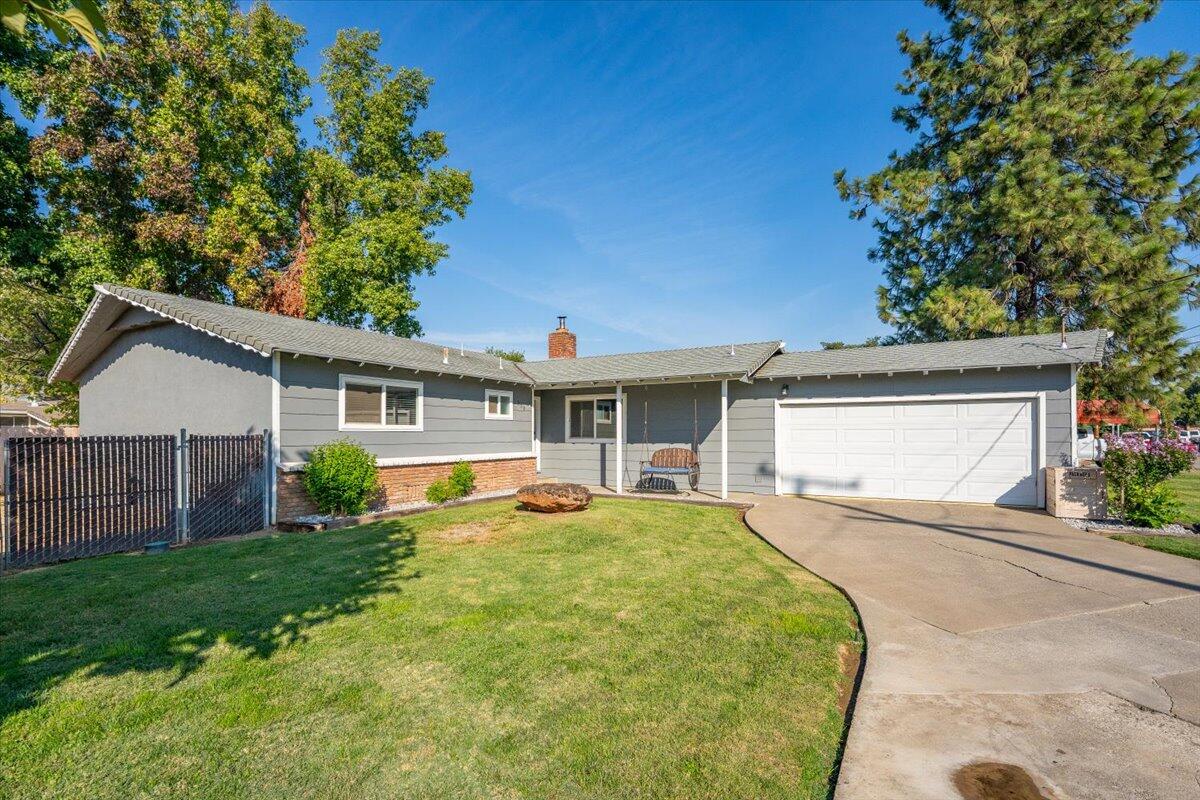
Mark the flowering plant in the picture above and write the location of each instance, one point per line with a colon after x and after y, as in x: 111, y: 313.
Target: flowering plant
x: 1136, y: 468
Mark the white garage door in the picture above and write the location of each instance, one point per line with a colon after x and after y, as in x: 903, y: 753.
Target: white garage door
x: 979, y: 451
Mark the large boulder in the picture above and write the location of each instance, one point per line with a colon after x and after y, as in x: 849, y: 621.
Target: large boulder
x: 552, y: 498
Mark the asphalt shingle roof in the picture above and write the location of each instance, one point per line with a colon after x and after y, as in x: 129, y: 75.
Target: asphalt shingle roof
x: 700, y: 362
x: 269, y: 332
x: 1083, y: 347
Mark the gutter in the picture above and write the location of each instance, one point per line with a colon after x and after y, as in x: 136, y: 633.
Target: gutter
x: 707, y: 377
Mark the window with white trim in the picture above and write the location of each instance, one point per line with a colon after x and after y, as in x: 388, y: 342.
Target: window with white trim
x: 367, y: 403
x: 592, y: 418
x: 497, y: 404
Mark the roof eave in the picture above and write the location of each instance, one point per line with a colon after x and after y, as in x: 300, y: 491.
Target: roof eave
x: 262, y: 348
x: 56, y: 371
x: 926, y: 370
x: 443, y: 369
x: 655, y: 381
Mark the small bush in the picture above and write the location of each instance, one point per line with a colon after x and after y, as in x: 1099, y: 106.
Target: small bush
x: 459, y: 484
x: 341, y: 477
x: 462, y: 479
x: 1151, y: 506
x: 439, y: 492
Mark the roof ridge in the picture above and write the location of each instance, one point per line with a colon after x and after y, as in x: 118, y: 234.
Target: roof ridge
x: 655, y: 352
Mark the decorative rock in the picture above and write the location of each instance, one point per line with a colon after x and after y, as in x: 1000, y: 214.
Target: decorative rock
x: 551, y: 498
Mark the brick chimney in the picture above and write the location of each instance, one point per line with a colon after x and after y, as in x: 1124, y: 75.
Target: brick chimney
x: 561, y: 342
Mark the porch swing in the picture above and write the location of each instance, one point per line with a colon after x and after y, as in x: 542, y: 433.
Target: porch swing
x: 659, y: 471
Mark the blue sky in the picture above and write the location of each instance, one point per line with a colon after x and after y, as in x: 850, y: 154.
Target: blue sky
x: 662, y: 174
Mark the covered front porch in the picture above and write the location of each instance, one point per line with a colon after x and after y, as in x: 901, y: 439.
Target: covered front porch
x: 576, y: 437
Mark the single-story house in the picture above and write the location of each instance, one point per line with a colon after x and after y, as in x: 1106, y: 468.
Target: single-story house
x: 972, y: 421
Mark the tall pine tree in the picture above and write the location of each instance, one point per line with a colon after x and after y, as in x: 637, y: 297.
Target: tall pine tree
x: 1052, y: 177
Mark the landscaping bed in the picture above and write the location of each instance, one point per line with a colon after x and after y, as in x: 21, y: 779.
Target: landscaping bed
x: 649, y: 649
x: 1109, y: 526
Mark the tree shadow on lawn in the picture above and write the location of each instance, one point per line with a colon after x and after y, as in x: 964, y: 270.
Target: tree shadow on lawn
x: 142, y: 614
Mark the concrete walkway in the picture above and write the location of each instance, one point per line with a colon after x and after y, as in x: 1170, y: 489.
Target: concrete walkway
x: 1003, y: 635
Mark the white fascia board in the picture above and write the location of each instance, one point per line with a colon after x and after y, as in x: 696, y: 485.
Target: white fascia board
x: 185, y: 323
x: 700, y: 377
x: 909, y: 398
x: 439, y: 371
x: 923, y: 370
x: 409, y: 461
x: 87, y: 317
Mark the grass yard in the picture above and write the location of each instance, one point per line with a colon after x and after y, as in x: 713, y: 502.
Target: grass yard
x: 1186, y: 546
x: 1187, y: 489
x: 646, y: 650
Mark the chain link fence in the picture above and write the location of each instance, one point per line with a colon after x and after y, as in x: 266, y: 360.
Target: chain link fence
x: 67, y: 498
x: 227, y: 486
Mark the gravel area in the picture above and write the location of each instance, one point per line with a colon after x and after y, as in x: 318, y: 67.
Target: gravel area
x: 1116, y: 526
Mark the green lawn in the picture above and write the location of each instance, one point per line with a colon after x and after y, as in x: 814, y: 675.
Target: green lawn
x: 1187, y: 488
x: 1186, y: 546
x: 636, y: 649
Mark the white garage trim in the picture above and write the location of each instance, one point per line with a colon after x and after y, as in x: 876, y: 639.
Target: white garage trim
x: 1074, y: 416
x: 1039, y: 397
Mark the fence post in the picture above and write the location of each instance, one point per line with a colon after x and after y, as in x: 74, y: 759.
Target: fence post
x: 268, y: 471
x: 182, y: 484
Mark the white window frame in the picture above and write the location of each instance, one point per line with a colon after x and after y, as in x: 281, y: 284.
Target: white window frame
x: 568, y: 399
x: 487, y: 397
x: 371, y: 380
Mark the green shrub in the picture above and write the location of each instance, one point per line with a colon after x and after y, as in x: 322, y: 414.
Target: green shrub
x: 459, y: 484
x: 1136, y: 469
x: 439, y: 492
x: 341, y: 477
x: 1151, y: 506
x: 462, y: 479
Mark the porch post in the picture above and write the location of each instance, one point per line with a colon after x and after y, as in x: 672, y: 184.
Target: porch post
x: 725, y: 439
x: 620, y: 435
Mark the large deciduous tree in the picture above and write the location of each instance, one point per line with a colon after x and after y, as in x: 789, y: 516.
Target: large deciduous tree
x: 375, y: 191
x: 175, y: 163
x: 1053, y: 176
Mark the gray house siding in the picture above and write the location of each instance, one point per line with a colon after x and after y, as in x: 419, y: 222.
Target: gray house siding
x: 656, y: 416
x: 751, y: 438
x: 159, y: 379
x: 453, y: 415
x: 752, y: 420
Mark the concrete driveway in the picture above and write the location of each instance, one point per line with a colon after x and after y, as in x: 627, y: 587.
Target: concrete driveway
x: 1002, y: 635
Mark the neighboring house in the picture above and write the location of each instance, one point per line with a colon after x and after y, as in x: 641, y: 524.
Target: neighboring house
x: 23, y: 413
x: 21, y: 417
x: 961, y: 421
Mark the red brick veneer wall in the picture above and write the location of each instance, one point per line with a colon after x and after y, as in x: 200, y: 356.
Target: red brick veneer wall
x: 406, y: 484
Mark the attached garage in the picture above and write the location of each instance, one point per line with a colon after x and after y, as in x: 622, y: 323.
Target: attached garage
x: 968, y: 448
x: 972, y: 421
